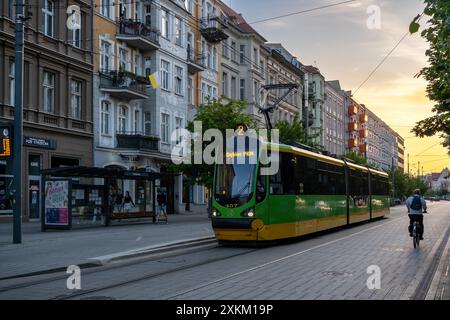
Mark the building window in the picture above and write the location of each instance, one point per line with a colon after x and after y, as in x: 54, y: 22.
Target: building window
x: 177, y: 32
x: 122, y: 119
x: 208, y: 57
x: 242, y: 89
x: 233, y: 51
x: 106, y: 56
x: 147, y: 123
x: 105, y: 117
x: 165, y: 118
x: 242, y: 54
x: 76, y: 88
x: 225, y: 84
x: 136, y: 121
x: 189, y: 6
x: 11, y: 9
x: 178, y: 80
x: 76, y: 36
x: 124, y: 60
x: 12, y: 82
x: 178, y: 127
x: 165, y: 65
x: 190, y: 91
x: 47, y: 17
x: 233, y: 87
x: 49, y: 91
x: 148, y: 15
x: 204, y: 93
x: 164, y: 24
x: 107, y: 8
x: 225, y: 50
x: 214, y: 58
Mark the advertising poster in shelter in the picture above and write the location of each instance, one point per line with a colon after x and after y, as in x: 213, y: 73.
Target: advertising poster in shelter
x: 57, y: 202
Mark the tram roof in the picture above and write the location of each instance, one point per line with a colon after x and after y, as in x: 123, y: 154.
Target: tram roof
x: 325, y: 158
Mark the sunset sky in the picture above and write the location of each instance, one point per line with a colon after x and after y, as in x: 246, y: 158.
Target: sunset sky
x: 338, y: 41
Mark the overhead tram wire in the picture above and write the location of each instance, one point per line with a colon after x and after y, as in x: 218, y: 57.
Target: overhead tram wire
x: 384, y: 59
x: 416, y: 155
x: 300, y: 12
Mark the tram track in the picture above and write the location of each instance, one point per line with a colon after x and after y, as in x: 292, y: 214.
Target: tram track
x: 160, y: 257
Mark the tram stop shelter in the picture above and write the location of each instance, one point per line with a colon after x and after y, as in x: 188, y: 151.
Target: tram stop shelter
x: 76, y: 196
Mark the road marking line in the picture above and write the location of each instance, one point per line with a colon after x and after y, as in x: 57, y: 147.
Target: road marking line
x: 281, y: 259
x: 446, y: 272
x: 442, y: 292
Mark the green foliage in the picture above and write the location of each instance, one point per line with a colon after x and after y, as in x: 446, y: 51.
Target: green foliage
x: 437, y: 34
x: 356, y: 157
x: 291, y: 133
x: 405, y: 185
x: 216, y: 114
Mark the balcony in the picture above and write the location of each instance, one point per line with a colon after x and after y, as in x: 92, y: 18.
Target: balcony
x: 363, y: 148
x: 123, y: 85
x: 352, y: 143
x: 196, y: 62
x: 363, y: 133
x: 352, y: 110
x: 363, y: 118
x: 212, y: 29
x: 352, y: 126
x: 137, y: 141
x: 138, y: 35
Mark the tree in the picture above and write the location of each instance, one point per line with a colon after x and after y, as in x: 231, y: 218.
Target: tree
x: 356, y: 157
x: 437, y: 73
x: 215, y: 114
x: 291, y: 133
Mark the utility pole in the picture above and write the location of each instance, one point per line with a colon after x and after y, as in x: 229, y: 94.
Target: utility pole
x: 408, y: 166
x: 18, y: 125
x: 418, y: 170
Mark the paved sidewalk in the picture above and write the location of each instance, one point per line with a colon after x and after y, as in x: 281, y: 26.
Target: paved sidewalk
x: 55, y: 249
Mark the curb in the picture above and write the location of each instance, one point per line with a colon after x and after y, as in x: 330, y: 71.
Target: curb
x: 162, y: 248
x: 432, y: 291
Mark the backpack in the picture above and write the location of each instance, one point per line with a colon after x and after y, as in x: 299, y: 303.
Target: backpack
x: 416, y: 203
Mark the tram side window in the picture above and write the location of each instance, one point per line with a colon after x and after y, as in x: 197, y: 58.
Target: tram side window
x: 359, y: 183
x: 283, y: 183
x: 380, y: 186
x: 330, y: 179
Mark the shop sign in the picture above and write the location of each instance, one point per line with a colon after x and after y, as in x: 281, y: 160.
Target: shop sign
x: 39, y: 142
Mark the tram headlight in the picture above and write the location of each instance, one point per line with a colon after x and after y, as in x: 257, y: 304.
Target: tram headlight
x: 215, y: 213
x: 249, y: 213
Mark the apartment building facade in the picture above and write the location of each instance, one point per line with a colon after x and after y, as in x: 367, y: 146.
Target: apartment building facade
x: 382, y: 143
x: 242, y: 63
x: 284, y: 68
x: 137, y: 125
x: 314, y: 100
x: 335, y: 114
x: 57, y: 96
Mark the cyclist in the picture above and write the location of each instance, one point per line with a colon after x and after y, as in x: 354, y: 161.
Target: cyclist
x: 416, y: 207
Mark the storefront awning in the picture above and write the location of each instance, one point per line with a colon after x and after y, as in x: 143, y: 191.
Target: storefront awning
x: 112, y: 173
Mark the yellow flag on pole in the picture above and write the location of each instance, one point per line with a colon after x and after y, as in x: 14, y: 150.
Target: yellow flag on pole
x: 154, y: 80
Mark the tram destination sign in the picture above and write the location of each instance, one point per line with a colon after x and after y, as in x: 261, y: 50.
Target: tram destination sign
x: 39, y: 142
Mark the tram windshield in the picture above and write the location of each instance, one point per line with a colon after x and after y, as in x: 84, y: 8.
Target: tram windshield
x: 234, y: 183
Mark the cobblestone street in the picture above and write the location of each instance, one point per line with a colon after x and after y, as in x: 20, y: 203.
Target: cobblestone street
x: 331, y: 265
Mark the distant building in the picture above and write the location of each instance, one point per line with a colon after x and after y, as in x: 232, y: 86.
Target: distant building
x: 313, y: 111
x: 335, y: 113
x: 439, y: 181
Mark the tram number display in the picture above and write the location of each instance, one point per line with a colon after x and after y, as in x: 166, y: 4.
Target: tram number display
x: 5, y: 146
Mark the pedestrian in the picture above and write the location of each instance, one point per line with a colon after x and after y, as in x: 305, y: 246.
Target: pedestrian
x: 118, y: 201
x: 127, y: 202
x: 161, y: 211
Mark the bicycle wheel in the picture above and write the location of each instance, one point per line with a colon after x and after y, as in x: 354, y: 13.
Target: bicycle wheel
x: 414, y: 241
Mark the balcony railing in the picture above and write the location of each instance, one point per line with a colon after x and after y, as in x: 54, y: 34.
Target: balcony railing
x: 137, y: 141
x: 123, y: 85
x: 363, y: 133
x: 138, y: 34
x: 352, y: 143
x: 352, y: 126
x: 352, y: 109
x: 196, y: 61
x: 363, y: 118
x: 212, y: 29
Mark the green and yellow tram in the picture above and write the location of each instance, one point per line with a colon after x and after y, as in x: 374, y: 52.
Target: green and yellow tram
x: 310, y: 192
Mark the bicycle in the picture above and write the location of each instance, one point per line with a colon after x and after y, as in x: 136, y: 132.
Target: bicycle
x: 416, y: 234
